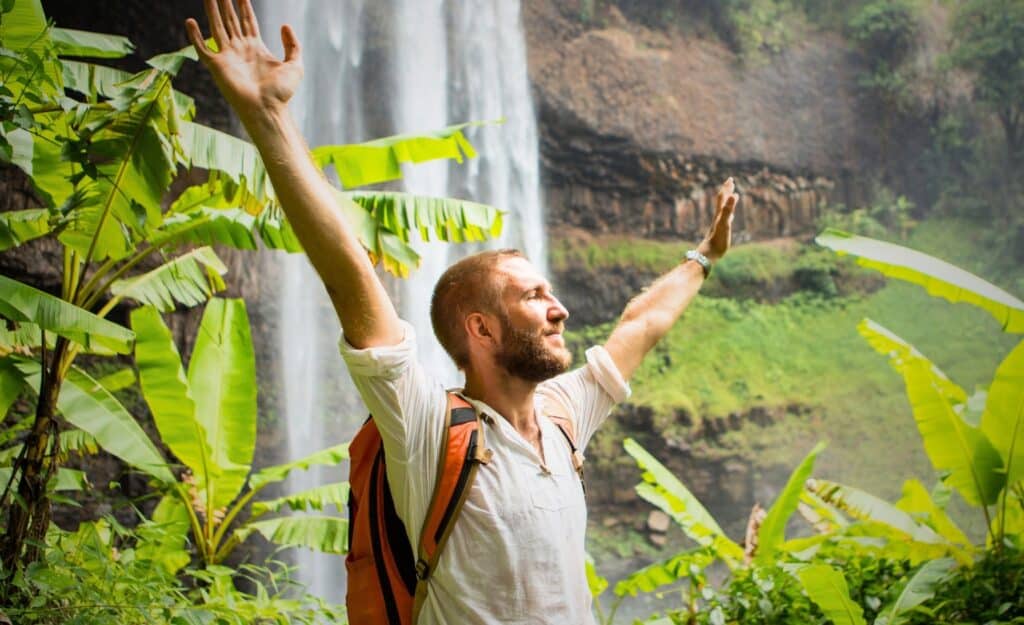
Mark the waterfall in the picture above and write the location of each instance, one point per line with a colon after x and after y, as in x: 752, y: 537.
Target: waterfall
x: 376, y: 69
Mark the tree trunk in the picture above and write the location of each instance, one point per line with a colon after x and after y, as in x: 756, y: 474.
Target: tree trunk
x: 29, y: 516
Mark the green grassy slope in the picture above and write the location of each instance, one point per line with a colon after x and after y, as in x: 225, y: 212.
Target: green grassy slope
x: 729, y: 356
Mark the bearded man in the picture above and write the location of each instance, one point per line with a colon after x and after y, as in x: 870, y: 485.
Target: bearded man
x: 516, y: 552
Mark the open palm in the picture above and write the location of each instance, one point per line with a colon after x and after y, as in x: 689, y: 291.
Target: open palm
x: 246, y: 72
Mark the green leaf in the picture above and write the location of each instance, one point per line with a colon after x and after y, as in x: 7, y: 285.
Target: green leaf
x: 171, y: 62
x: 79, y: 441
x: 865, y: 506
x: 827, y: 588
x: 335, y: 494
x: 17, y: 227
x: 920, y: 588
x: 21, y: 303
x: 278, y: 473
x: 23, y: 25
x: 222, y: 377
x: 772, y: 532
x: 917, y: 501
x: 82, y: 43
x: 938, y: 277
x: 166, y: 541
x: 189, y: 279
x: 89, y: 407
x: 663, y: 573
x: 446, y: 219
x: 376, y: 161
x: 231, y: 227
x: 595, y: 583
x: 169, y: 397
x: 326, y: 534
x: 215, y: 150
x: 663, y: 490
x: 12, y: 383
x: 118, y: 380
x: 952, y: 445
x: 65, y: 479
x: 1003, y: 418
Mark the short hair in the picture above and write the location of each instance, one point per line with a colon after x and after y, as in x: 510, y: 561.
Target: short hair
x: 470, y: 285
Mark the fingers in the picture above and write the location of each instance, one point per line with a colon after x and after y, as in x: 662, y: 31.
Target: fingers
x: 227, y: 12
x: 292, y: 49
x: 216, y: 23
x: 195, y: 36
x: 250, y: 26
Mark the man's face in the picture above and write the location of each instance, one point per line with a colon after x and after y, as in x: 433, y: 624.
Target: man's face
x: 532, y: 347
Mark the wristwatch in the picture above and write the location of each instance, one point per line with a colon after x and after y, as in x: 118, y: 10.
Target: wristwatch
x: 701, y: 259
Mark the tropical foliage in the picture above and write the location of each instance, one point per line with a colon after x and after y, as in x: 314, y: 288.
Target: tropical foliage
x: 101, y: 148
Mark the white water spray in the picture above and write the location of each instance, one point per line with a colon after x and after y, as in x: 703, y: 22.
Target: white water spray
x: 375, y: 69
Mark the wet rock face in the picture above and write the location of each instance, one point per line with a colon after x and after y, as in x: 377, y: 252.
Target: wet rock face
x: 638, y: 126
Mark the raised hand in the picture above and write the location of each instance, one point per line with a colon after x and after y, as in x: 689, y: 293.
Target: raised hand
x: 719, y: 236
x: 249, y: 76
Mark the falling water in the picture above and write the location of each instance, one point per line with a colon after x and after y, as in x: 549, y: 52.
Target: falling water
x: 375, y: 69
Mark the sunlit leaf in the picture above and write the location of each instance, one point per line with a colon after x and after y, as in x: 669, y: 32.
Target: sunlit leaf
x: 595, y: 582
x: 335, y: 494
x: 952, y: 445
x: 189, y: 279
x: 84, y: 403
x: 444, y: 219
x: 118, y: 380
x: 938, y: 277
x: 222, y: 379
x: 665, y: 572
x: 269, y: 475
x: 326, y: 534
x: 1003, y: 418
x: 17, y: 227
x: 918, y: 502
x: 166, y: 541
x: 827, y: 588
x: 22, y: 303
x: 88, y: 44
x: 665, y: 491
x: 772, y: 532
x: 863, y: 505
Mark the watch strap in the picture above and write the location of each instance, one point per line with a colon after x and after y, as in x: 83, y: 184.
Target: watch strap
x: 701, y: 260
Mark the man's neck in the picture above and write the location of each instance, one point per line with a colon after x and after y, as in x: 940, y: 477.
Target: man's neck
x: 511, y: 397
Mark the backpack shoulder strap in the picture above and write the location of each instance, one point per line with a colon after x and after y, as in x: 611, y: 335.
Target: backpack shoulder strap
x: 568, y: 428
x: 463, y: 450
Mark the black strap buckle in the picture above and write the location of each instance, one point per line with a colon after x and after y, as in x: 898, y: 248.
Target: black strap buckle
x: 422, y: 570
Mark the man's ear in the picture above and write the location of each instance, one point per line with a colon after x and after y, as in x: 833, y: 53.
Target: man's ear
x: 480, y: 327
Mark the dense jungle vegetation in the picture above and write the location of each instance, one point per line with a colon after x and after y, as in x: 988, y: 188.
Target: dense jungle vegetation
x: 853, y: 326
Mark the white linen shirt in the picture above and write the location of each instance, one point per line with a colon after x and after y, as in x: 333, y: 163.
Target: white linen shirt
x: 516, y: 552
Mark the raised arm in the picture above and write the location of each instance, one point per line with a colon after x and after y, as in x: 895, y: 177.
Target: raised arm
x: 649, y: 315
x: 258, y: 86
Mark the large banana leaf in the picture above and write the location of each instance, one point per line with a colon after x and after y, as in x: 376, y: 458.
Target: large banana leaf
x: 376, y: 161
x: 917, y: 501
x: 16, y: 227
x: 326, y: 534
x: 919, y: 588
x: 189, y: 279
x: 23, y: 25
x: 335, y: 494
x: 827, y: 588
x: 277, y: 473
x: 12, y: 383
x: 212, y: 149
x: 39, y: 155
x: 665, y: 572
x: 94, y: 80
x: 772, y: 532
x: 975, y: 466
x: 222, y: 377
x: 938, y: 277
x: 169, y: 397
x: 665, y: 491
x: 88, y: 44
x: 22, y: 303
x: 229, y: 226
x: 865, y: 506
x: 88, y: 406
x: 1003, y: 418
x: 456, y: 221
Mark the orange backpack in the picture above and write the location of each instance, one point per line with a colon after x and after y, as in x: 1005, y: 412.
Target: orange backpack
x: 386, y: 578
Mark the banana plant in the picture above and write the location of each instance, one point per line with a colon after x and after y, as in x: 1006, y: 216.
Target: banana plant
x: 976, y: 442
x: 101, y: 147
x: 206, y: 416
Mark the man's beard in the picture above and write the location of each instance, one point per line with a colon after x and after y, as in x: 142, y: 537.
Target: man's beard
x: 525, y: 355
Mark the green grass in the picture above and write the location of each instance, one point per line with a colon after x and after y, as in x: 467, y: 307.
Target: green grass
x: 727, y: 356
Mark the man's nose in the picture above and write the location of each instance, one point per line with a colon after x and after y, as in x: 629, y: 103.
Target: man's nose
x: 557, y: 312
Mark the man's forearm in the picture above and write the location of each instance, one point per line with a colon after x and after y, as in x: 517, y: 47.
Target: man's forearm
x: 650, y: 315
x: 366, y: 312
